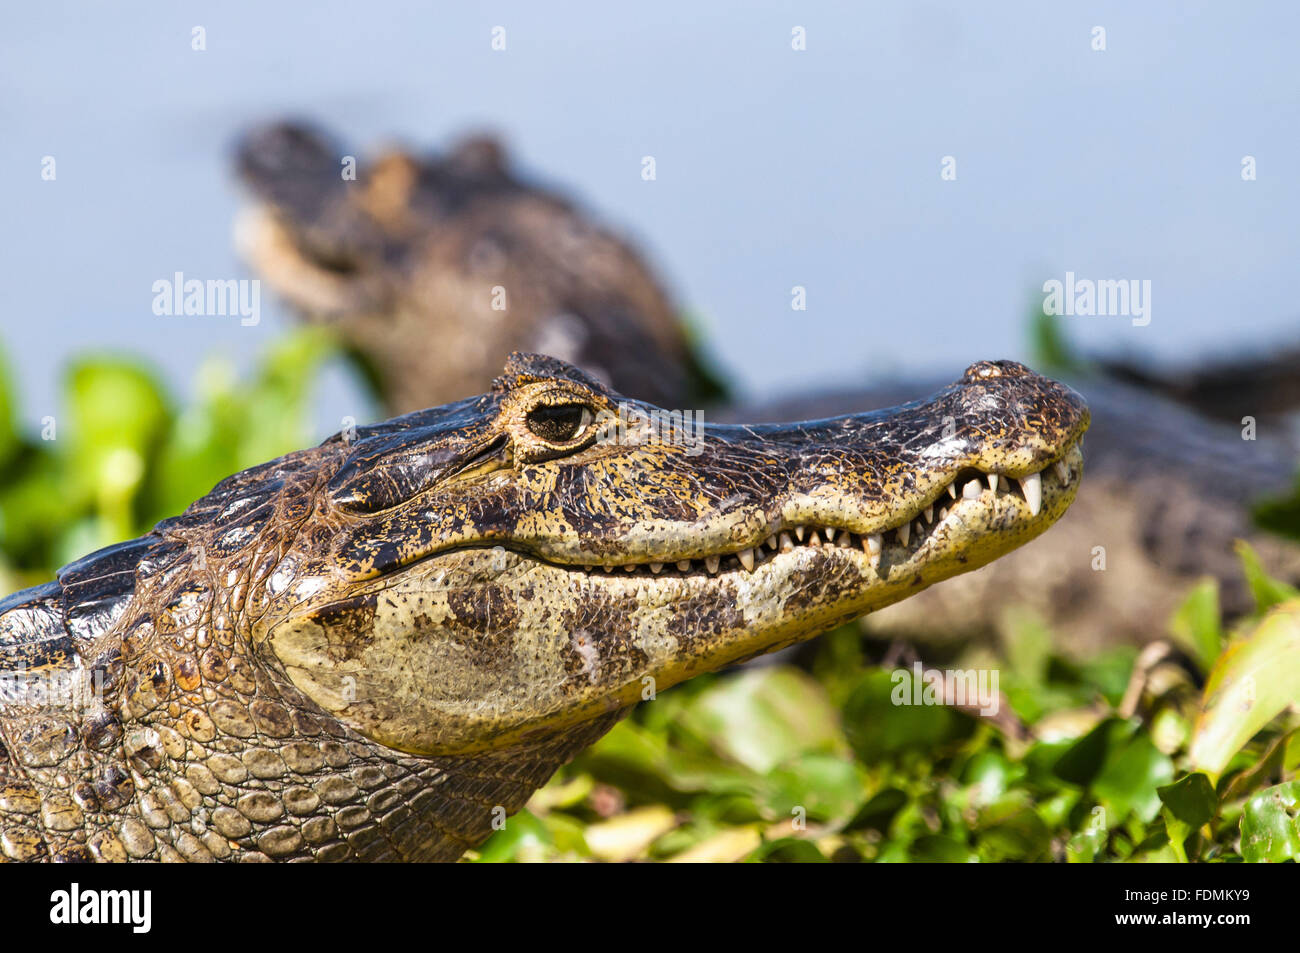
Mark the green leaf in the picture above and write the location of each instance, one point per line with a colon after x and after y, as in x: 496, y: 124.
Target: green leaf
x: 1255, y: 679
x: 1011, y: 829
x: 1271, y: 763
x: 118, y: 415
x: 524, y: 837
x: 1270, y: 825
x: 1082, y: 761
x: 1267, y: 591
x: 941, y: 849
x: 1189, y: 803
x: 1191, y: 799
x: 764, y: 716
x: 788, y: 850
x: 1128, y: 781
x: 1052, y: 352
x: 10, y: 442
x: 829, y: 788
x: 1195, y: 624
x: 1083, y: 847
x: 882, y: 719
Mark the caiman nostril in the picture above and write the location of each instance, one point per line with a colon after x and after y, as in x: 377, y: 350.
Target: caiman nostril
x: 984, y: 370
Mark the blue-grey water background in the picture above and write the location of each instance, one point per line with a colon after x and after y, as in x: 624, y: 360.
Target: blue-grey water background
x: 775, y: 167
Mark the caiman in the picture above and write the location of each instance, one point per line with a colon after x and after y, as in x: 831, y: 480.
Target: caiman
x: 458, y: 250
x: 378, y: 648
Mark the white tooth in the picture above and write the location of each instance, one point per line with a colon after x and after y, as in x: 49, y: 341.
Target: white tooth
x: 952, y: 490
x: 920, y: 529
x: 830, y: 534
x: 787, y: 544
x: 711, y: 563
x: 656, y: 568
x: 589, y: 568
x: 1033, y: 487
x: 943, y: 514
x: 971, y: 490
x: 993, y: 482
x: 609, y: 568
x: 1063, y: 472
x: 905, y: 533
x: 845, y: 541
x: 871, y: 545
x: 630, y: 567
x: 771, y: 542
x: 684, y: 565
x: 746, y: 557
x: 814, y: 539
x: 798, y: 533
x: 929, y: 513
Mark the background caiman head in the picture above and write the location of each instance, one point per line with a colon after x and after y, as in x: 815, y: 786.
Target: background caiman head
x: 404, y: 249
x: 498, y: 569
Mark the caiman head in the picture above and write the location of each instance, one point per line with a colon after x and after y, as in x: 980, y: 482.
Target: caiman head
x: 453, y: 248
x: 502, y: 568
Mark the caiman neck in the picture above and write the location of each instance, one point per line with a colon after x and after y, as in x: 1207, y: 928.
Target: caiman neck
x: 193, y: 750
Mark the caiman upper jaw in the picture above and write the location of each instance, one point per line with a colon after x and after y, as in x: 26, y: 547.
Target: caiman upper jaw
x: 1021, y: 500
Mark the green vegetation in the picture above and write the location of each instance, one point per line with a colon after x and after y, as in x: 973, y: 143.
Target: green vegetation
x: 816, y: 763
x: 120, y: 454
x: 1119, y: 757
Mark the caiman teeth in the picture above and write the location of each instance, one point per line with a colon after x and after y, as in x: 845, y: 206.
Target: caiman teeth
x: 915, y: 529
x: 1033, y: 487
x: 872, y: 545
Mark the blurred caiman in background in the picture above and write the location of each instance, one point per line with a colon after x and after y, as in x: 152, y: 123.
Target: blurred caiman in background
x: 410, y: 261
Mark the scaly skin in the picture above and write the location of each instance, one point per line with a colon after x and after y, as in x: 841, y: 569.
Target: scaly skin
x: 375, y: 648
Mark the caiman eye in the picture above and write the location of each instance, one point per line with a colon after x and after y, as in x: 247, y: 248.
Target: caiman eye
x: 560, y: 423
